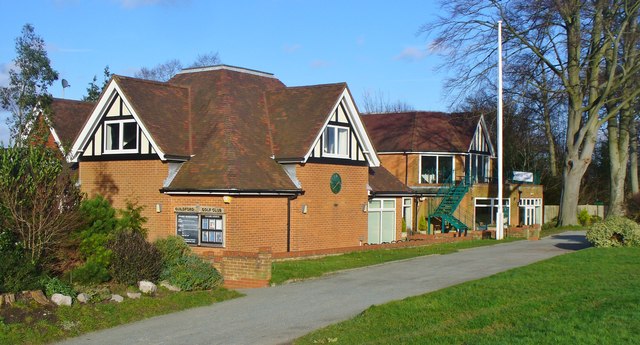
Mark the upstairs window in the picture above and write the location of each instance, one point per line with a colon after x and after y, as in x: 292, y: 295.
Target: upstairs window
x: 336, y: 142
x: 436, y: 169
x: 121, y: 136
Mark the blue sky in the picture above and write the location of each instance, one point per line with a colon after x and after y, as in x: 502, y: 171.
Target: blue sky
x: 372, y: 45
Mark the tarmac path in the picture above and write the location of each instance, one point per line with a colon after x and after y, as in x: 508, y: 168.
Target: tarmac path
x: 280, y: 314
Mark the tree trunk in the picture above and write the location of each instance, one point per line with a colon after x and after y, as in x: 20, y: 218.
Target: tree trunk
x: 618, y: 131
x: 633, y: 152
x: 574, y: 170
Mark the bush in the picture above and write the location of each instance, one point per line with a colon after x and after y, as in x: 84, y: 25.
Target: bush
x: 17, y: 271
x: 422, y: 224
x: 584, y: 217
x: 134, y: 258
x: 633, y: 207
x: 192, y: 273
x: 102, y: 224
x: 172, y: 249
x: 614, y: 232
x: 55, y: 285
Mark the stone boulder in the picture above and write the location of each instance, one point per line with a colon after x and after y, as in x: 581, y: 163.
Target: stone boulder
x: 39, y: 297
x: 83, y: 298
x: 165, y: 284
x: 147, y: 287
x: 117, y: 298
x: 133, y: 295
x: 60, y: 299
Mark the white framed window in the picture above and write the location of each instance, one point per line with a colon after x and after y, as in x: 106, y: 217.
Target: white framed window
x: 530, y: 211
x: 486, y: 210
x: 336, y: 141
x: 436, y: 169
x: 120, y: 136
x: 201, y: 229
x: 407, y: 212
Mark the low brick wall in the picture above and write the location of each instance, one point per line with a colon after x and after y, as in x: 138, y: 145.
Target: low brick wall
x: 253, y: 269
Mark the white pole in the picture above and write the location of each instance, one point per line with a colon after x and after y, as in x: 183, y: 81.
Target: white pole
x: 500, y: 215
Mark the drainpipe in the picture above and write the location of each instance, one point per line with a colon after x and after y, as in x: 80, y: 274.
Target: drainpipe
x: 289, y: 198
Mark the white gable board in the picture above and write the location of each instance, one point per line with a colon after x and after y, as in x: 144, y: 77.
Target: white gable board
x: 111, y: 104
x: 481, y: 141
x: 344, y: 113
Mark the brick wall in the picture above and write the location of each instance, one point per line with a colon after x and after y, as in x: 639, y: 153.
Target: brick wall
x: 332, y: 220
x: 134, y: 180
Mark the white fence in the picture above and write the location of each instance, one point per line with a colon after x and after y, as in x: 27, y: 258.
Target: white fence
x: 551, y: 211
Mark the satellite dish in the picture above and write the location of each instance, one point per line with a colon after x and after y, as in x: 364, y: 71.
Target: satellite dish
x: 65, y: 83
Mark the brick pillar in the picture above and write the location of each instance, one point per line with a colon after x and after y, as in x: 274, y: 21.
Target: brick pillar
x: 246, y: 270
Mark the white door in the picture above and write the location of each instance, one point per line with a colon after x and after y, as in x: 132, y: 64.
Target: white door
x: 382, y: 221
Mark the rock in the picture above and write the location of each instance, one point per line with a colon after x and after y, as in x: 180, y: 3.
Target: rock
x: 9, y: 298
x: 134, y: 295
x: 39, y: 297
x: 83, y: 298
x: 117, y: 298
x: 147, y: 287
x: 60, y: 299
x: 165, y: 284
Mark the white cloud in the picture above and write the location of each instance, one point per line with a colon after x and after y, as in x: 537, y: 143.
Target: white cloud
x: 317, y: 64
x: 412, y: 54
x: 292, y: 48
x: 130, y: 4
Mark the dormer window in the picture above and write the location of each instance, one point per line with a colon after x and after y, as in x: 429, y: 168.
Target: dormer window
x: 336, y: 142
x: 121, y: 136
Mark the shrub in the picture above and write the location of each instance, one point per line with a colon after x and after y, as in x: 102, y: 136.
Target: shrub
x: 614, y: 232
x: 55, y: 285
x: 422, y: 224
x: 17, y: 271
x: 134, y: 258
x: 584, y: 217
x: 192, y: 273
x: 404, y: 225
x: 101, y: 225
x: 172, y: 249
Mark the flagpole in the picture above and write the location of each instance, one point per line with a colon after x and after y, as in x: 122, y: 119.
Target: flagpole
x: 500, y: 215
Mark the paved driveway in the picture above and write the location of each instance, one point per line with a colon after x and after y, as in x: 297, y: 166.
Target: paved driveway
x: 279, y: 314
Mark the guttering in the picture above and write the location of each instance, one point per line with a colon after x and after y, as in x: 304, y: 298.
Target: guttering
x: 293, y: 192
x: 392, y: 194
x: 289, y: 160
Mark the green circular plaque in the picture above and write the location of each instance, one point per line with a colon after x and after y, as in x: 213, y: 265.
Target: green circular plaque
x: 335, y: 183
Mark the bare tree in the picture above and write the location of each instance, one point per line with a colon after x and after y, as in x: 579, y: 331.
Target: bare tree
x: 208, y: 59
x: 161, y: 72
x: 570, y: 38
x: 166, y: 71
x: 378, y: 102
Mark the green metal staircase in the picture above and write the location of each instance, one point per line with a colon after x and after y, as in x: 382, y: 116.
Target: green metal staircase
x: 451, y: 194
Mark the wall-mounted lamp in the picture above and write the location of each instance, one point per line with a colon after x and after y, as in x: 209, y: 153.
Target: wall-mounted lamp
x: 227, y: 199
x: 304, y: 209
x: 365, y: 207
x: 158, y: 208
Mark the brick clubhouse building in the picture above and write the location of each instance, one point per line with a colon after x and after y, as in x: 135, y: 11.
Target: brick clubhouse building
x: 231, y: 159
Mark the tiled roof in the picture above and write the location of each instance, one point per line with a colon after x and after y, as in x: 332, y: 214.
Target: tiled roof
x: 232, y: 124
x: 232, y: 145
x: 163, y: 110
x: 297, y: 115
x: 67, y: 118
x: 383, y: 181
x: 420, y: 131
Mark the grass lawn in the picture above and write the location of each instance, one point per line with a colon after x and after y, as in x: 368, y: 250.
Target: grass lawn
x: 29, y: 323
x: 587, y: 297
x: 302, y: 269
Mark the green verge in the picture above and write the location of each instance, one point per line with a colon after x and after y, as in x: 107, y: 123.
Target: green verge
x: 45, y: 325
x: 293, y: 270
x: 587, y: 297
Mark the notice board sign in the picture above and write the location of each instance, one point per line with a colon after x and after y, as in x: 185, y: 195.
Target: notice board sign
x: 188, y: 226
